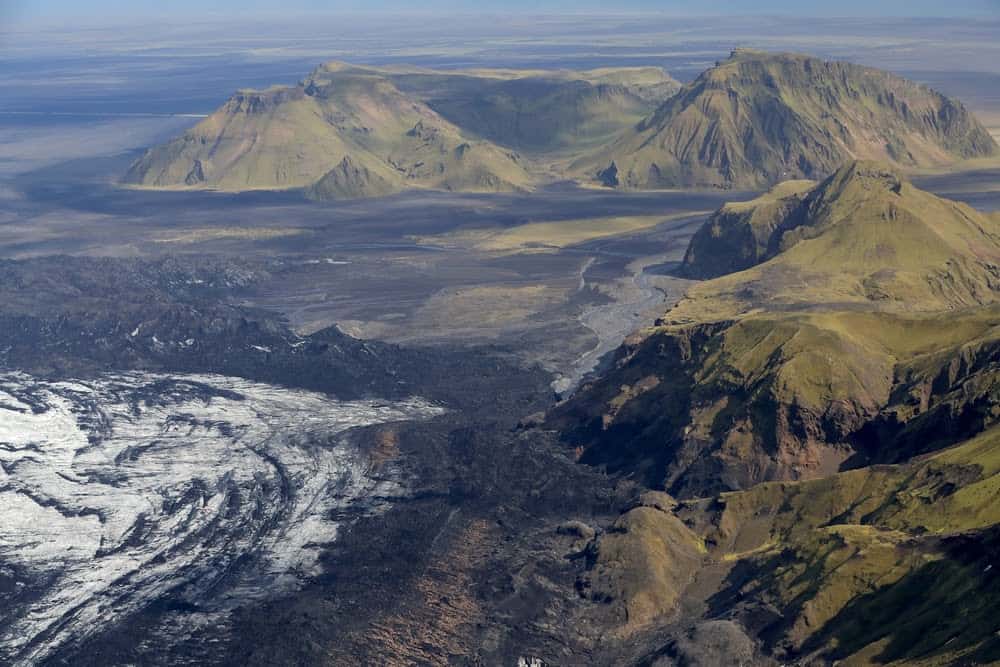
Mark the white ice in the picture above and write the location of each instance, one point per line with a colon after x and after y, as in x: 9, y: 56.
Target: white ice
x: 117, y: 490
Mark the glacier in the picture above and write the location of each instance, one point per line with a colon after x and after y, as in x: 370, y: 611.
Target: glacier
x: 128, y: 488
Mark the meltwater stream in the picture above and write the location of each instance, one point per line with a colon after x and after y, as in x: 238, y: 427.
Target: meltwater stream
x: 217, y: 491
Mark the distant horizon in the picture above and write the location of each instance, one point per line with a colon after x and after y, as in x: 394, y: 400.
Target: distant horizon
x: 23, y: 14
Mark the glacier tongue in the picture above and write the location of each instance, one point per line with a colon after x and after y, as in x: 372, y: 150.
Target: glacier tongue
x: 218, y: 491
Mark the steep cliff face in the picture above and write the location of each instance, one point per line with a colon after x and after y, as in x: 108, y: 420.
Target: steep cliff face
x: 706, y: 408
x: 759, y: 118
x: 739, y: 235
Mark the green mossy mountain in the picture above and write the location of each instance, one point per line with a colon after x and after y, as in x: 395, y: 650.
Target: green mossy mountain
x: 829, y: 419
x: 350, y: 127
x: 712, y: 407
x: 760, y: 118
x: 883, y: 565
x: 863, y: 238
x: 783, y: 370
x: 543, y: 112
x: 349, y: 131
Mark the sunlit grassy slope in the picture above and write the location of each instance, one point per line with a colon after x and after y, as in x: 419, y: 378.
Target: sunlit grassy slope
x: 347, y: 131
x: 774, y: 372
x: 864, y: 238
x: 550, y: 236
x: 882, y: 565
x: 830, y: 416
x: 878, y: 565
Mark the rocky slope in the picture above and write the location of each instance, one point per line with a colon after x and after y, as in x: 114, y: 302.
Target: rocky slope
x: 883, y: 565
x: 760, y: 118
x: 77, y: 316
x: 887, y: 564
x: 740, y: 234
x: 712, y: 407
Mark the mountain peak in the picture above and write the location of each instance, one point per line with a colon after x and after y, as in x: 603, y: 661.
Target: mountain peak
x: 864, y: 236
x: 345, y: 131
x: 870, y: 173
x: 858, y: 180
x: 742, y: 52
x: 759, y: 118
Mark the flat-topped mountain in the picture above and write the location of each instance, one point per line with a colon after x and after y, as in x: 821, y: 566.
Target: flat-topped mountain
x: 349, y: 131
x: 759, y: 118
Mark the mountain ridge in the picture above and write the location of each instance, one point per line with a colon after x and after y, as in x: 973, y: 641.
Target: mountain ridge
x: 349, y: 131
x: 760, y: 118
x: 291, y: 137
x: 824, y: 471
x: 864, y: 237
x: 785, y: 362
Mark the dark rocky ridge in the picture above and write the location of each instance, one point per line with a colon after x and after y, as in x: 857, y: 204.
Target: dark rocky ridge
x: 739, y: 236
x: 64, y: 316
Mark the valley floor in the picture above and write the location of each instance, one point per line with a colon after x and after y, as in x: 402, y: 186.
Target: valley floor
x: 450, y: 530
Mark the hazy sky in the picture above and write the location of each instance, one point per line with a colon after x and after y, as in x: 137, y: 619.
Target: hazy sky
x: 13, y: 12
